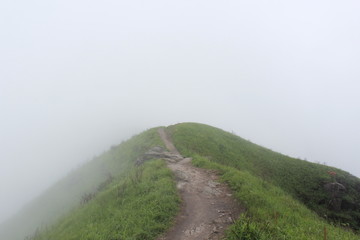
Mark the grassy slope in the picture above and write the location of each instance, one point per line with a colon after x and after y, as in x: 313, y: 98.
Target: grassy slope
x: 270, y: 184
x: 66, y: 194
x: 139, y: 203
x: 137, y: 206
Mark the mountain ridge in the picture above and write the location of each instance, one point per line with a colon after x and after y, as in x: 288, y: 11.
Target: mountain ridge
x: 264, y: 181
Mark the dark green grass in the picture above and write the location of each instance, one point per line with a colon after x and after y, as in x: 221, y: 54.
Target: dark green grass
x: 139, y: 206
x: 298, y: 178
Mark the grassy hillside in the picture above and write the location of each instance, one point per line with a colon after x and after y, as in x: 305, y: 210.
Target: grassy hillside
x: 272, y: 214
x: 273, y: 184
x: 67, y: 193
x: 137, y: 206
x: 110, y: 198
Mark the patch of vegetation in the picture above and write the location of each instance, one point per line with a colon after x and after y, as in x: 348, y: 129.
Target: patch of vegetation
x: 246, y: 229
x: 272, y: 214
x: 304, y: 181
x: 138, y: 206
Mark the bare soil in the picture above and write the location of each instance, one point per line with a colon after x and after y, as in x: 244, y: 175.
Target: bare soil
x: 207, y: 205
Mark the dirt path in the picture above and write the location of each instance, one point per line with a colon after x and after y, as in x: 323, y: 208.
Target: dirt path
x: 207, y: 206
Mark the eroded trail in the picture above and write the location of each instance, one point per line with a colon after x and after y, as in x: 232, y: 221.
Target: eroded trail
x: 208, y: 207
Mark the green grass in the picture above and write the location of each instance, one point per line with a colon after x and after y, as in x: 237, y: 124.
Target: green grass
x: 271, y: 213
x: 270, y: 184
x: 136, y: 207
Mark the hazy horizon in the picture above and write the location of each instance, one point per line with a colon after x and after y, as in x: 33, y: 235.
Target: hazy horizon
x: 79, y: 76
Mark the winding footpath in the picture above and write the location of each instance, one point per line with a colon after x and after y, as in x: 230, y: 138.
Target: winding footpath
x: 207, y: 206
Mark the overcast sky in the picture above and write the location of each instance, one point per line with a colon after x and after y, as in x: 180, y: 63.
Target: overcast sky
x: 79, y: 76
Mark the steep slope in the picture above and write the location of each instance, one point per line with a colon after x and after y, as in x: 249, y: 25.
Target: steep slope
x: 70, y: 191
x: 303, y: 180
x: 137, y: 206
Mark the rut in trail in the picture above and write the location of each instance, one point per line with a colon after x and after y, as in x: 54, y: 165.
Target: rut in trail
x: 207, y: 205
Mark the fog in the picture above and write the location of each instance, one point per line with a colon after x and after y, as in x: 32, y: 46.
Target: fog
x: 79, y: 76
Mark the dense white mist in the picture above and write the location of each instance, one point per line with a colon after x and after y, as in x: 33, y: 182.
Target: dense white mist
x: 79, y: 76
